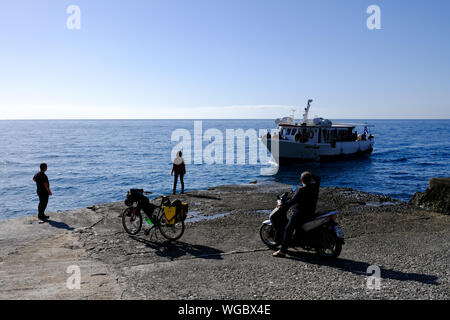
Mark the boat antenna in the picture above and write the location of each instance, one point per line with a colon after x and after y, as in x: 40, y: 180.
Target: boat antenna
x: 305, y: 115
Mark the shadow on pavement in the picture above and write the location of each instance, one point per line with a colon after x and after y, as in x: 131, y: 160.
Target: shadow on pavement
x: 60, y: 225
x: 202, y: 196
x: 360, y: 268
x: 178, y: 249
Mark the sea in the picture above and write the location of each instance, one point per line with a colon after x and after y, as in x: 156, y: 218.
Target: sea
x: 98, y: 161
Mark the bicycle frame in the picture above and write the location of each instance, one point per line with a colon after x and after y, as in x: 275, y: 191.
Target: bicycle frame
x: 154, y: 218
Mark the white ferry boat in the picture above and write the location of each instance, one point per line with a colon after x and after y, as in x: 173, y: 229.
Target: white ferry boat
x: 318, y: 139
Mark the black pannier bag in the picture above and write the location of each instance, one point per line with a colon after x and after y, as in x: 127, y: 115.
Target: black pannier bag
x: 181, y: 210
x: 137, y: 195
x: 133, y: 195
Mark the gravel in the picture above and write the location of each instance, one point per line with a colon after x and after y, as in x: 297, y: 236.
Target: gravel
x: 223, y: 257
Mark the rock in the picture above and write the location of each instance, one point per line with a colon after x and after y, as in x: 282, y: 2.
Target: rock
x: 439, y: 182
x: 436, y: 198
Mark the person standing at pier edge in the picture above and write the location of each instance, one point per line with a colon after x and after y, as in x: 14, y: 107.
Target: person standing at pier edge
x: 43, y: 191
x: 180, y: 170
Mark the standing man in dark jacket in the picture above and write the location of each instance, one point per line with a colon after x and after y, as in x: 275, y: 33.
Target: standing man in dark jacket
x: 303, y: 204
x: 43, y: 190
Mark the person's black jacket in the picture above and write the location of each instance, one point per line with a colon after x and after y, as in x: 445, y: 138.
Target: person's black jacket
x: 304, y: 200
x: 41, y: 178
x: 179, y: 168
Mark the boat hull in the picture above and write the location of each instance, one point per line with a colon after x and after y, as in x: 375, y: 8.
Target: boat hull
x: 294, y: 151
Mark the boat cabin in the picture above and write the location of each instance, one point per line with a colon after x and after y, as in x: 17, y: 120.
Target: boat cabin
x: 319, y: 134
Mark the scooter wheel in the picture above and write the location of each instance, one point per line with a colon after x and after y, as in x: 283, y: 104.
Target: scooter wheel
x: 267, y: 233
x: 330, y: 247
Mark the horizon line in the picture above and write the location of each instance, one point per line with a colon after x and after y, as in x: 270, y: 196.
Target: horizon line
x: 145, y: 119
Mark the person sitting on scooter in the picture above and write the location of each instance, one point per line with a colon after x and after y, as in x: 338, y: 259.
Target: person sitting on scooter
x: 303, y: 204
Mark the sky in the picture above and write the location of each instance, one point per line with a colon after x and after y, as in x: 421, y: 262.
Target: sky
x: 212, y: 59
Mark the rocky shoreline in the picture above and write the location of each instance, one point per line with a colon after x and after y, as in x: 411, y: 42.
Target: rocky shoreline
x: 436, y: 197
x: 221, y: 256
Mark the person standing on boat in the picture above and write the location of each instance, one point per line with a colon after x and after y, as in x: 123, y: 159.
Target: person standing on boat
x: 43, y: 191
x: 180, y: 170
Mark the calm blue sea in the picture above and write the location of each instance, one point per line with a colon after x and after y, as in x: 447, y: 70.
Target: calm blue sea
x: 98, y: 161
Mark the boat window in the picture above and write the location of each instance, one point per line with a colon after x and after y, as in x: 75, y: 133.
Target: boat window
x: 294, y: 131
x: 288, y: 132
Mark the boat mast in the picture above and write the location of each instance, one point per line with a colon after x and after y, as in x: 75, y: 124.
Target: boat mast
x: 305, y: 115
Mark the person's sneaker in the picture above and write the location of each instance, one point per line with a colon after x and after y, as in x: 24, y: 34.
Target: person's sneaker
x: 43, y: 218
x: 279, y: 253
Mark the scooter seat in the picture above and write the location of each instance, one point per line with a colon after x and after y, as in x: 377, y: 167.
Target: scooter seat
x: 321, y: 219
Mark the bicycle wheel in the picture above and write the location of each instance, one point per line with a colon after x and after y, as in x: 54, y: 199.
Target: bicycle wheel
x: 131, y: 221
x: 171, y: 231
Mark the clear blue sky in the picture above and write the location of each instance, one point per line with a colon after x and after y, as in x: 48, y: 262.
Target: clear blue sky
x: 224, y: 59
